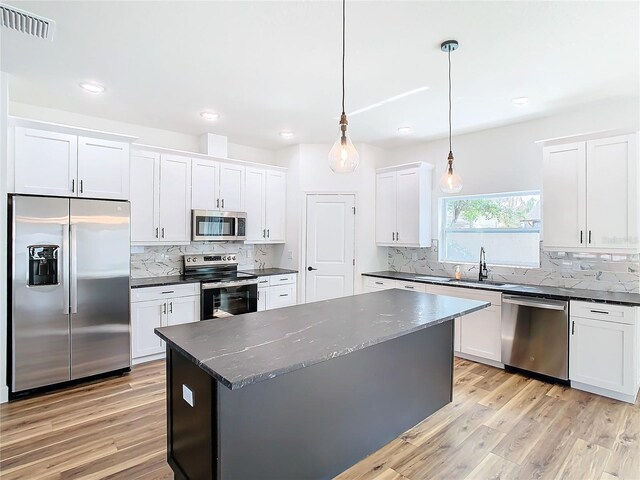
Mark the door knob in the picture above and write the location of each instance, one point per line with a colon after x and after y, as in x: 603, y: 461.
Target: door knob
x: 311, y: 268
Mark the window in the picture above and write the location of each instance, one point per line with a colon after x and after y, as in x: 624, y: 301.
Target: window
x: 507, y: 225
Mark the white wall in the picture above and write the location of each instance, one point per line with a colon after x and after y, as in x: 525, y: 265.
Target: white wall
x: 507, y: 159
x: 146, y: 135
x: 4, y: 338
x: 309, y: 173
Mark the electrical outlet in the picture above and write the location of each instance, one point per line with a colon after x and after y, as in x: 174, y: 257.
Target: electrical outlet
x: 414, y: 256
x: 187, y: 395
x: 290, y: 255
x: 249, y: 254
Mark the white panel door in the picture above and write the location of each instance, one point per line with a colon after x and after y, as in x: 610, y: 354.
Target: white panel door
x: 145, y: 200
x: 175, y: 198
x: 330, y: 246
x: 205, y: 178
x: 145, y: 316
x: 612, y: 196
x: 386, y: 208
x: 183, y: 310
x: 601, y: 354
x: 255, y: 205
x: 103, y: 169
x: 407, y: 207
x: 480, y: 333
x: 275, y: 206
x: 563, y: 196
x: 232, y: 187
x: 45, y: 163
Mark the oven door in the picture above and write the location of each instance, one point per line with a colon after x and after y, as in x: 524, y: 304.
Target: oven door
x: 220, y: 300
x: 209, y: 225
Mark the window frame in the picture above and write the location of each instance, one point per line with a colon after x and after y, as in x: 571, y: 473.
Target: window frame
x: 442, y: 216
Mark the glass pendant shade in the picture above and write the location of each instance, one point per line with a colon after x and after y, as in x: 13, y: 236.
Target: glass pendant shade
x: 343, y: 156
x: 450, y: 182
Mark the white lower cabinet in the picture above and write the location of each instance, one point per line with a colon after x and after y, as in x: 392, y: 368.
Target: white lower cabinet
x: 603, y: 350
x: 277, y: 291
x: 373, y: 284
x: 153, y: 307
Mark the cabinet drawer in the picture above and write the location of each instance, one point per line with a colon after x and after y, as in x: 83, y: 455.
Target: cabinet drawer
x: 281, y: 296
x: 413, y: 286
x: 604, y: 312
x: 263, y: 282
x: 276, y: 280
x: 471, y: 294
x: 379, y: 283
x: 168, y: 291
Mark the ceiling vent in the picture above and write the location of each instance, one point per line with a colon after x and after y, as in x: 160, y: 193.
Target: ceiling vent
x: 26, y: 22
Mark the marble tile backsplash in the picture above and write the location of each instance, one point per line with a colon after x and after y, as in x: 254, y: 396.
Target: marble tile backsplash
x: 593, y: 271
x: 159, y: 261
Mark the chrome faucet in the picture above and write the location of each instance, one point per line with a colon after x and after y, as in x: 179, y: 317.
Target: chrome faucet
x: 483, y: 273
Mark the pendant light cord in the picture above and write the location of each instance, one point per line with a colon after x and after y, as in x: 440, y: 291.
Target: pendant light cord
x: 343, y: 50
x: 449, y: 55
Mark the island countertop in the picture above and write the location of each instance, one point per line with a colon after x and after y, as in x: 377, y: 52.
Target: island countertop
x: 246, y: 349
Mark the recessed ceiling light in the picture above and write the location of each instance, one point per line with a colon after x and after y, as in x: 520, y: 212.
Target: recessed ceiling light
x: 211, y: 116
x: 92, y: 87
x: 520, y: 101
x: 286, y: 134
x: 405, y: 130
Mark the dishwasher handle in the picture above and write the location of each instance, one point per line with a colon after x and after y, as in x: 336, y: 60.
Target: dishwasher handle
x: 535, y: 303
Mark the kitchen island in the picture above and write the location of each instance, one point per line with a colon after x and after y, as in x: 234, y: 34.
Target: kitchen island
x: 304, y: 392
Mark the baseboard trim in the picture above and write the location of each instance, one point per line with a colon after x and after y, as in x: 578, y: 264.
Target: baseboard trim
x: 623, y: 397
x: 148, y: 358
x: 4, y: 394
x: 473, y: 358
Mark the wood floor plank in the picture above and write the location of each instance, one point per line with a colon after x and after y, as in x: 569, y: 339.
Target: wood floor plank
x: 369, y: 468
x: 585, y: 460
x: 494, y: 467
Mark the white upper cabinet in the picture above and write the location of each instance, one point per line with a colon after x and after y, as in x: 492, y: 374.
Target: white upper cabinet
x: 590, y: 195
x: 103, y: 169
x: 175, y: 198
x: 205, y: 180
x: 45, y: 162
x: 403, y: 205
x: 160, y: 198
x: 145, y: 196
x: 232, y: 187
x: 265, y: 205
x: 60, y: 163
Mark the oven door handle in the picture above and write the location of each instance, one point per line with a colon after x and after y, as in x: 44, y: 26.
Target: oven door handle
x: 209, y: 286
x: 528, y: 302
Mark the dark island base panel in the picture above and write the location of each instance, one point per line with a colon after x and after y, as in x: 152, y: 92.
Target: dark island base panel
x: 311, y: 423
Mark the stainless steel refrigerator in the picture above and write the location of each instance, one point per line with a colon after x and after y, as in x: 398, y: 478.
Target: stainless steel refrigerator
x: 69, y: 298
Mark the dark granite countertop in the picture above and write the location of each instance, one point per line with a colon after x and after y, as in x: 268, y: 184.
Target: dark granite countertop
x: 269, y: 272
x: 253, y: 347
x: 160, y: 281
x: 558, y: 293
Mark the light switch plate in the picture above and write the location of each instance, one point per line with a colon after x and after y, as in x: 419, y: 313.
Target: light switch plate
x: 187, y: 395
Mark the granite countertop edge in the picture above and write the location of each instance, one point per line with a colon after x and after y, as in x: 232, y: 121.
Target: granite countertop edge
x: 253, y: 379
x: 159, y: 281
x: 560, y: 293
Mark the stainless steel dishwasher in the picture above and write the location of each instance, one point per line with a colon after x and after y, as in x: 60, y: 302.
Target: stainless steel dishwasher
x: 535, y: 335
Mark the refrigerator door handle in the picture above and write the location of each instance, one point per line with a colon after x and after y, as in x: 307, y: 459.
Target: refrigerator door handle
x: 63, y: 264
x: 74, y: 268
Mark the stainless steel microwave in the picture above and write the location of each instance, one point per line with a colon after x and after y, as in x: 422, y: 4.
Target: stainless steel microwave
x: 215, y: 226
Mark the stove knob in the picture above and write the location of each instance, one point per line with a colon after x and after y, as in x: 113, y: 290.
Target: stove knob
x: 194, y: 259
x: 188, y: 259
x: 224, y: 258
x: 233, y: 258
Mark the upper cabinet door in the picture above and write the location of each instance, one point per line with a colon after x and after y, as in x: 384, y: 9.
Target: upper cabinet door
x: 275, y: 206
x: 255, y: 205
x: 232, y: 187
x: 103, y: 169
x: 408, y: 207
x: 45, y: 163
x: 145, y: 196
x: 563, y: 196
x: 175, y: 198
x: 386, y: 208
x: 205, y: 178
x: 612, y: 195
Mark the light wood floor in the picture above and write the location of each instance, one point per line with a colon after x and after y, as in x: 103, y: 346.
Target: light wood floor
x: 500, y: 426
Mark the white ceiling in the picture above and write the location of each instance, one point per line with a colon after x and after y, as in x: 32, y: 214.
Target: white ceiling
x: 269, y: 66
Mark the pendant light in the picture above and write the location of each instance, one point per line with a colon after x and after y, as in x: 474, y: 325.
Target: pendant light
x: 343, y: 156
x: 450, y: 181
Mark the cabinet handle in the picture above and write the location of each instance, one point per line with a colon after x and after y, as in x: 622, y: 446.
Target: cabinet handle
x: 573, y: 328
x: 218, y: 203
x: 264, y: 233
x: 393, y: 236
x: 258, y: 294
x: 81, y: 187
x: 397, y: 236
x: 164, y: 308
x: 267, y: 233
x: 157, y: 232
x: 589, y: 237
x: 223, y: 203
x: 170, y: 307
x: 284, y: 294
x: 379, y: 283
x: 409, y: 287
x: 167, y: 292
x: 73, y: 185
x: 162, y: 232
x: 599, y: 311
x: 581, y: 235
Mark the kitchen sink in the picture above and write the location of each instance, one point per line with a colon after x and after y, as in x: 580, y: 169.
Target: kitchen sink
x: 433, y: 278
x: 475, y: 283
